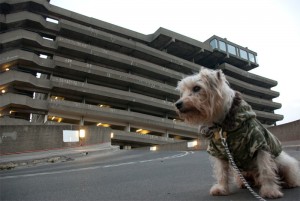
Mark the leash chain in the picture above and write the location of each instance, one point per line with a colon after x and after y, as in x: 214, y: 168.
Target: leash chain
x: 230, y: 157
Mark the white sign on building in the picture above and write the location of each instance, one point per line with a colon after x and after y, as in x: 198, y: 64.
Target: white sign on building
x: 70, y: 135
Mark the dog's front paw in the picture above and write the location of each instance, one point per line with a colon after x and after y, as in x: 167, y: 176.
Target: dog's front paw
x: 270, y: 192
x: 217, y: 190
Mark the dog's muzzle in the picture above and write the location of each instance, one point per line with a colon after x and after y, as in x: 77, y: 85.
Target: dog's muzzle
x: 179, y: 104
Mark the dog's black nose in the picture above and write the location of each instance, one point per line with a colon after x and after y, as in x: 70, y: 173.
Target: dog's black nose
x: 179, y: 104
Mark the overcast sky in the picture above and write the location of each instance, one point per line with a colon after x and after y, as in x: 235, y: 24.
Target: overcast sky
x: 269, y: 27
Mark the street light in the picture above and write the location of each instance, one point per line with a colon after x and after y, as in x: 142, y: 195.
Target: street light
x: 82, y: 133
x: 154, y: 148
x: 192, y: 144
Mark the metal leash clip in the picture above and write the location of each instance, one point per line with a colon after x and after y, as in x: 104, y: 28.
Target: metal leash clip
x: 223, y: 139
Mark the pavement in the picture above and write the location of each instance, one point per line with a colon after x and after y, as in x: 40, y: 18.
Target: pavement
x: 51, y: 156
x: 293, y: 145
x: 127, y: 175
x: 68, y: 154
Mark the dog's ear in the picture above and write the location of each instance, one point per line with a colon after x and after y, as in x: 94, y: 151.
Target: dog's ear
x: 220, y: 74
x: 221, y: 77
x: 201, y: 68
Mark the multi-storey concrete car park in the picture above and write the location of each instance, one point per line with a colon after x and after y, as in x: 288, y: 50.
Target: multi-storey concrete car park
x: 59, y: 67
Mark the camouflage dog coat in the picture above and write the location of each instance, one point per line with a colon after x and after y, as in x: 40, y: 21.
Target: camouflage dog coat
x: 245, y: 136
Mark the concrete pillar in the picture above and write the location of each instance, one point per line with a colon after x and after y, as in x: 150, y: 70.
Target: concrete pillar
x: 45, y: 118
x: 81, y: 123
x: 127, y: 128
x: 166, y: 134
x: 49, y: 96
x: 127, y: 147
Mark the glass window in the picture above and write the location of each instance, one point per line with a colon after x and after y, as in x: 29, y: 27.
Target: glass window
x: 213, y: 43
x: 251, y: 57
x: 243, y: 54
x: 222, y: 46
x: 231, y: 49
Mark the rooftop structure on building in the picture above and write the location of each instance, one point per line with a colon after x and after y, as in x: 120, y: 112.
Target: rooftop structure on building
x: 58, y: 66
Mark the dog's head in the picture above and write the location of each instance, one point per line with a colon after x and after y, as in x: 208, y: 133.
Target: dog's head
x: 204, y: 97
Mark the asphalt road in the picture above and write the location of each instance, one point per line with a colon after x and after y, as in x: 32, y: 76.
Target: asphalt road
x: 122, y: 175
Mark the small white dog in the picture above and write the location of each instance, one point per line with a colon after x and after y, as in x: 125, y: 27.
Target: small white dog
x: 208, y: 101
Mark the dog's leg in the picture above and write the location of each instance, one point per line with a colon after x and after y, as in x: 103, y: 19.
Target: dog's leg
x: 221, y: 173
x: 251, y: 177
x: 289, y: 170
x: 239, y: 182
x: 268, y: 178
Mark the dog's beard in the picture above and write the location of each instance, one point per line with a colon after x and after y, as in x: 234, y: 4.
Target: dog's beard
x: 191, y: 116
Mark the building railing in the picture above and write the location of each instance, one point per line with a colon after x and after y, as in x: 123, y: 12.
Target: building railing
x: 145, y: 136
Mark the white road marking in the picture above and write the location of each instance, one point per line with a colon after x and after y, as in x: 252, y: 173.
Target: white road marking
x: 95, y: 167
x: 117, y: 165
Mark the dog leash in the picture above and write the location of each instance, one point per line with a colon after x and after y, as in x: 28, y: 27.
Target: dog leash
x: 230, y: 157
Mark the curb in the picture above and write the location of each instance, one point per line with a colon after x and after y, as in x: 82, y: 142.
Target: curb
x: 28, y: 163
x: 56, y: 158
x: 291, y: 147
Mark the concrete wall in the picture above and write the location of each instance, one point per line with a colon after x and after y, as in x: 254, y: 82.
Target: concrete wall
x: 179, y: 146
x: 26, y: 138
x: 287, y: 132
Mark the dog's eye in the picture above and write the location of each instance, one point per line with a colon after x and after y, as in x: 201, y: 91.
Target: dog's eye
x: 196, y: 89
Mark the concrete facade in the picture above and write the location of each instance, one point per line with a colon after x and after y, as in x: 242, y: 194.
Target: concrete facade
x: 287, y: 132
x: 58, y: 66
x: 14, y: 139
